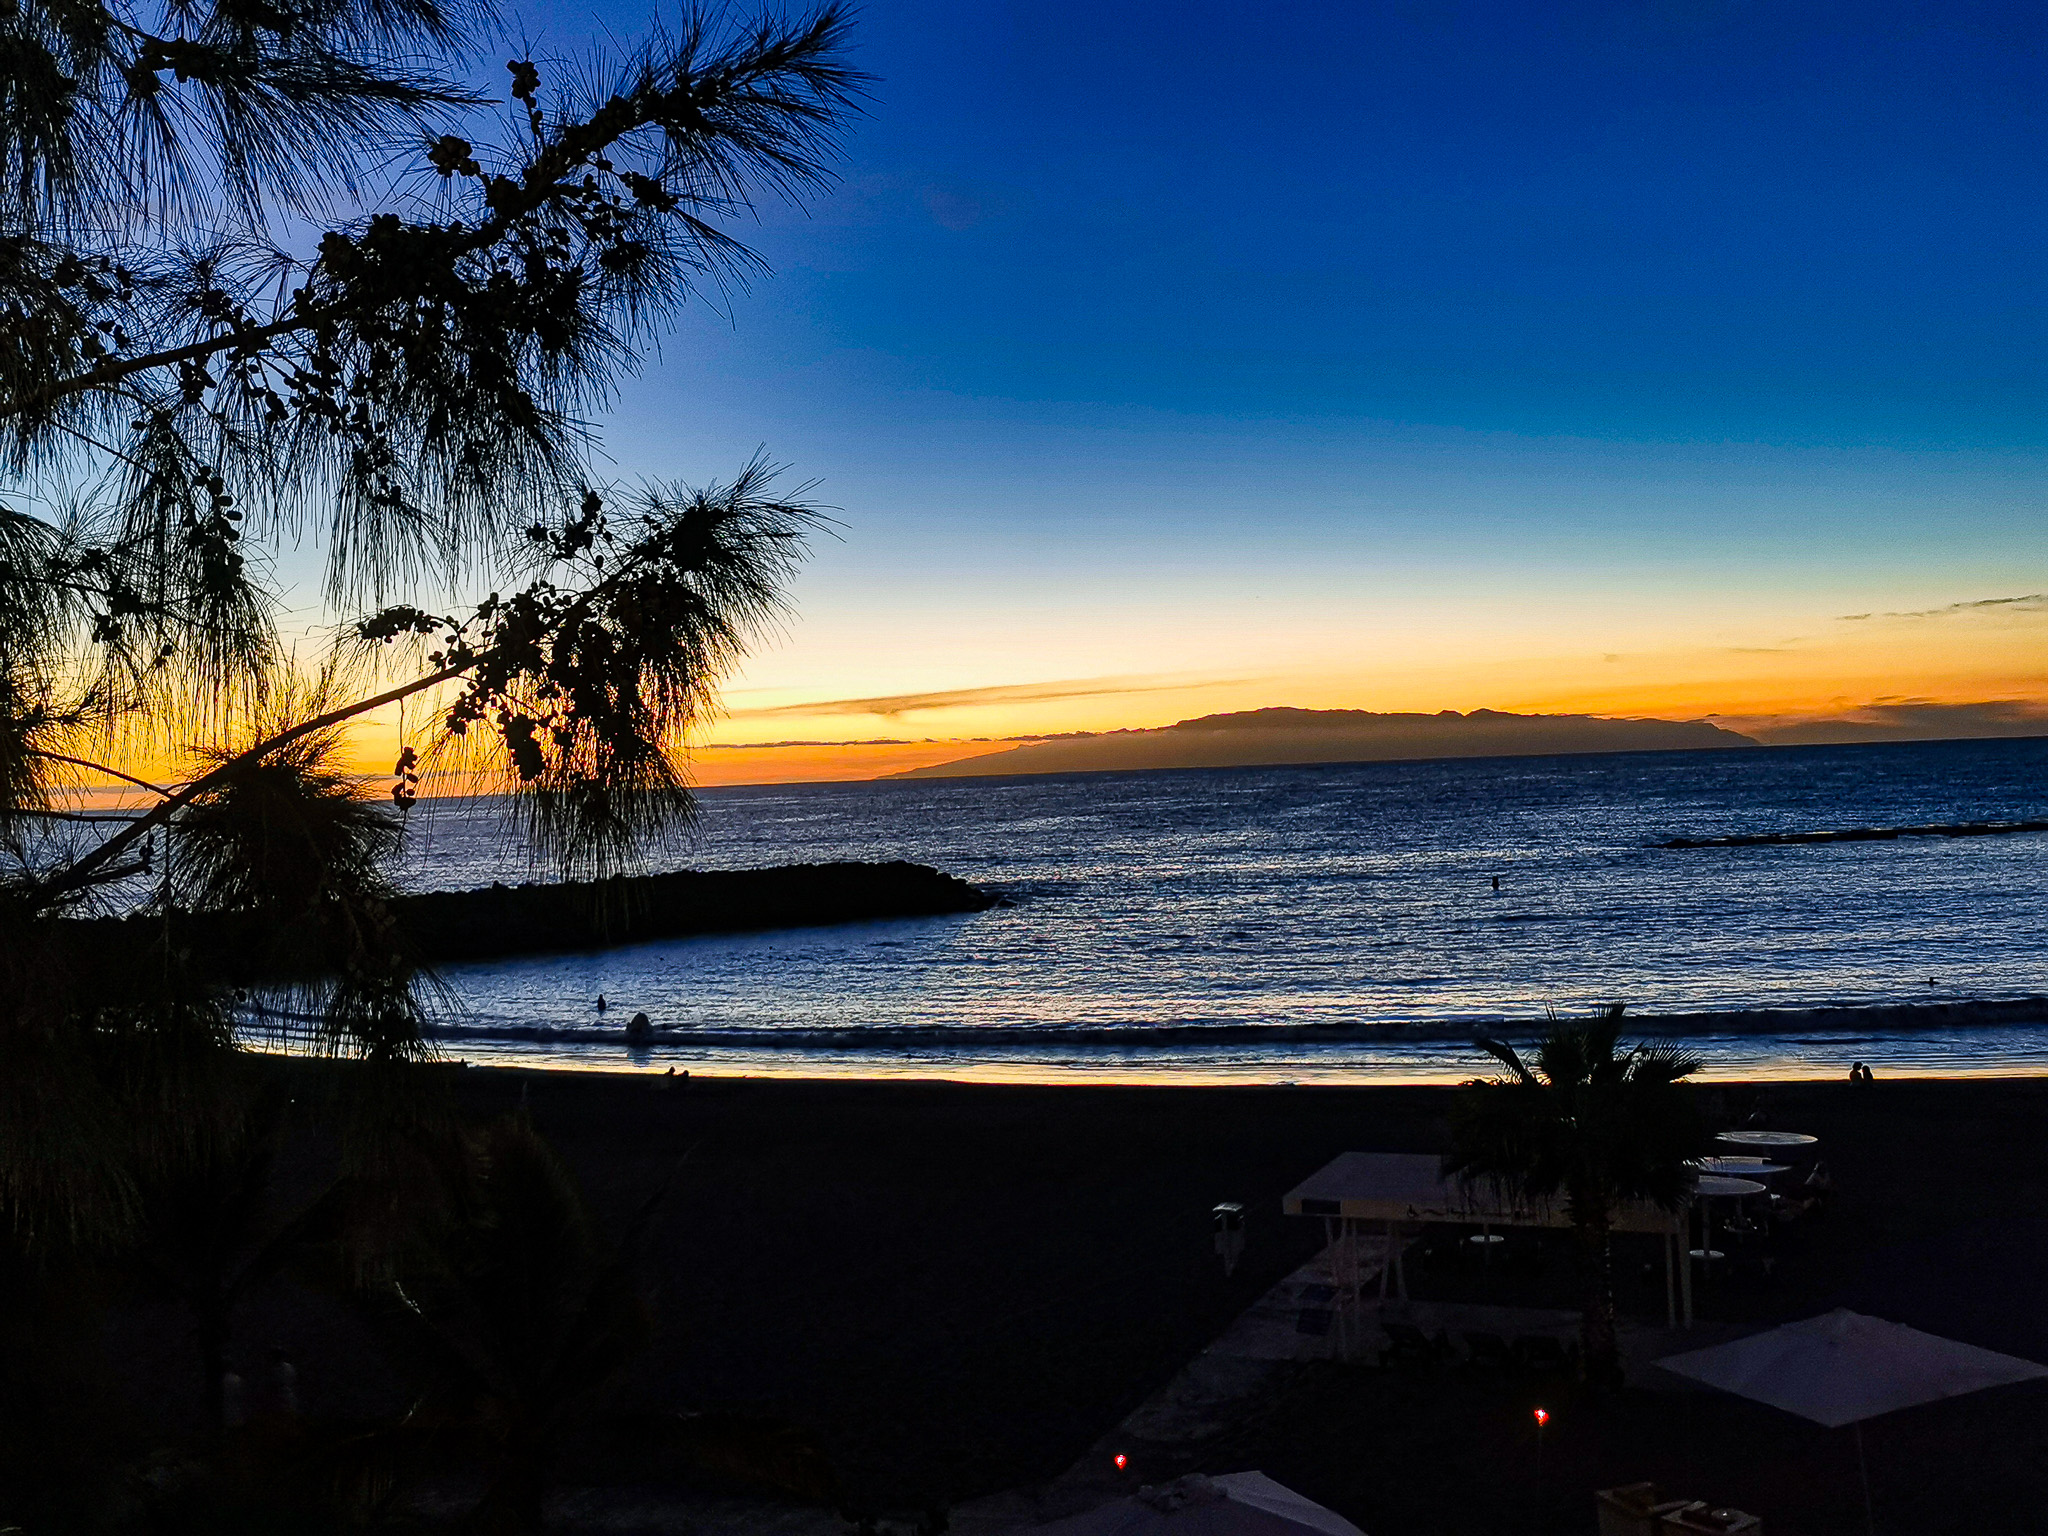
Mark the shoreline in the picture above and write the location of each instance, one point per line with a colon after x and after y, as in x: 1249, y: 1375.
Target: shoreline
x: 1896, y: 1017
x: 1192, y: 1079
x: 1815, y: 1045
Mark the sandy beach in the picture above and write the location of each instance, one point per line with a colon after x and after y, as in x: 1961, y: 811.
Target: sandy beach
x: 929, y: 1293
x: 955, y: 1290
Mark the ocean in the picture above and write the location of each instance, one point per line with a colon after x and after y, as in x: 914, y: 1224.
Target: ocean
x: 1318, y: 924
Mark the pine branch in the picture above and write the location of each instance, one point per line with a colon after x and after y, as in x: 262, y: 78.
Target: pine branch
x: 82, y: 871
x: 87, y: 763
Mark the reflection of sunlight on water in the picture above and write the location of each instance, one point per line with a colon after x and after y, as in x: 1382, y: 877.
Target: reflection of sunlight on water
x: 1300, y: 899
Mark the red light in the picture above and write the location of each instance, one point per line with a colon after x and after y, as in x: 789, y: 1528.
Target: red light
x: 1542, y: 1417
x: 1122, y: 1461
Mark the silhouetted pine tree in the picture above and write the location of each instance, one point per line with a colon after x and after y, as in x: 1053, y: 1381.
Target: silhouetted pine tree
x: 272, y: 269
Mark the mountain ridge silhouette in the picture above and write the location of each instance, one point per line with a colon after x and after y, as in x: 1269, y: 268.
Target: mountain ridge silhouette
x: 1280, y: 735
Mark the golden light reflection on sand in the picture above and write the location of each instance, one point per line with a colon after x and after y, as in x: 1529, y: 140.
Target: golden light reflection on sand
x: 1124, y: 1075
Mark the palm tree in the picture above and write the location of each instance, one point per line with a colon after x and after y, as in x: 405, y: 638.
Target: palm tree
x: 1596, y: 1124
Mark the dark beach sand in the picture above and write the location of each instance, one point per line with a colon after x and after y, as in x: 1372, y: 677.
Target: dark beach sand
x: 956, y: 1290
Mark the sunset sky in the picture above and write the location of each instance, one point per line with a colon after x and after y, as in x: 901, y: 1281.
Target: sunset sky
x: 1673, y: 357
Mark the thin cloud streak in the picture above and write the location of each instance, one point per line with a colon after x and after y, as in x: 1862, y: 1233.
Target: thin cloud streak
x: 762, y: 746
x: 879, y: 741
x: 968, y: 698
x: 2032, y: 602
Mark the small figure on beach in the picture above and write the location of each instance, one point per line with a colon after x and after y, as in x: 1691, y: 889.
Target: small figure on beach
x: 640, y: 1029
x: 1858, y: 1072
x: 601, y: 1003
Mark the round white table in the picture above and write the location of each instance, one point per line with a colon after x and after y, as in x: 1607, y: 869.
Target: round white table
x: 1767, y: 1139
x: 1739, y: 1167
x: 1711, y: 1186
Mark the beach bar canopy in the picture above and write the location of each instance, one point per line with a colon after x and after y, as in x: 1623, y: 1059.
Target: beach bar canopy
x: 1407, y: 1189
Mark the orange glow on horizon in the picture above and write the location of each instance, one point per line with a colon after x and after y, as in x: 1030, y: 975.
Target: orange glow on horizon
x: 867, y: 719
x: 826, y: 762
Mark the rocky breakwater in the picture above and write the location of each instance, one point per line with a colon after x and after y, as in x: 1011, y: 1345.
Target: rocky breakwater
x: 441, y: 926
x: 535, y: 919
x: 1859, y: 834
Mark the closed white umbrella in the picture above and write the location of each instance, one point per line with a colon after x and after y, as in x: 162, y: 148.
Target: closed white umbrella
x: 1234, y: 1504
x: 1842, y: 1368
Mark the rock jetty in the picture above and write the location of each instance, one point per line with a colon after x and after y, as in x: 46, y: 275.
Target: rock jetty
x: 535, y: 919
x: 502, y: 920
x: 1859, y: 834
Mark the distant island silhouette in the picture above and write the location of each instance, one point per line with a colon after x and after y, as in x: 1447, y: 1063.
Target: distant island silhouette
x: 1275, y: 737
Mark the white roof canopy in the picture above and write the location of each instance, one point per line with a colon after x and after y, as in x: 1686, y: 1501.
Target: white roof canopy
x: 1411, y: 1187
x: 1843, y: 1367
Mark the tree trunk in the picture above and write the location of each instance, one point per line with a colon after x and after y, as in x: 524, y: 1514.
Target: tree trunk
x: 513, y: 1502
x: 212, y: 1331
x: 1600, y: 1351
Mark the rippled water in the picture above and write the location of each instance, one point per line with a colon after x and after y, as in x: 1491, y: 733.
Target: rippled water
x: 1320, y: 922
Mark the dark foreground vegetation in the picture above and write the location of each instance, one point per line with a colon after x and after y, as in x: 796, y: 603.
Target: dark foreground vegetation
x: 876, y: 1297
x: 335, y: 275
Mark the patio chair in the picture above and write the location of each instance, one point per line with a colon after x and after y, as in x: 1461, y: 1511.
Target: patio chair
x: 1409, y: 1345
x: 1743, y: 1225
x: 1543, y: 1355
x: 1635, y: 1510
x: 1439, y: 1247
x: 1488, y: 1350
x: 1709, y: 1521
x: 1787, y: 1209
x: 1522, y: 1258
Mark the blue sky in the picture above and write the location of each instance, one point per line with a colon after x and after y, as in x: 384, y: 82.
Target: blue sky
x: 1357, y: 353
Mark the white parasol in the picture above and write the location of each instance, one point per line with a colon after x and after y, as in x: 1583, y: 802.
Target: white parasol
x: 1842, y: 1368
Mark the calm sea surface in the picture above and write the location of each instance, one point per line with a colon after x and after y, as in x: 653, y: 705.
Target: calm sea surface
x: 1317, y: 923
